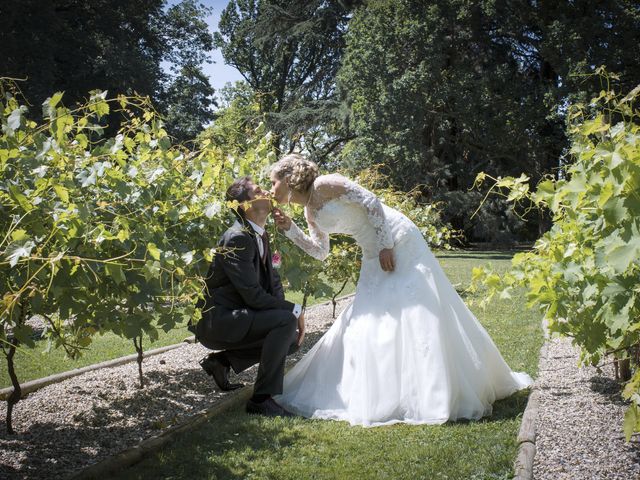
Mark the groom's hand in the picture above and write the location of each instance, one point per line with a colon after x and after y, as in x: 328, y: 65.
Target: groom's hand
x: 387, y: 261
x: 301, y: 328
x: 283, y: 222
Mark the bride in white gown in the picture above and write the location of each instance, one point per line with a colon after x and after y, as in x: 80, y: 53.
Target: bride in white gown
x: 407, y: 349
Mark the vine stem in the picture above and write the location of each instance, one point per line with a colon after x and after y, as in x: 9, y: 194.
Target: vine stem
x: 333, y: 299
x: 137, y: 342
x: 17, y: 391
x: 16, y: 395
x: 620, y: 349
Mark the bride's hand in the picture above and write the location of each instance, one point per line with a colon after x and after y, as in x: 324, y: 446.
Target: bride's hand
x: 387, y: 261
x: 283, y: 222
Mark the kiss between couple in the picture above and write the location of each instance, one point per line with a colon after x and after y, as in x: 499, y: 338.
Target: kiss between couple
x: 406, y: 349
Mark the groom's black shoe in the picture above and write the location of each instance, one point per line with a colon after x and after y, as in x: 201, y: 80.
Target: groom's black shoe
x: 220, y: 373
x: 268, y: 408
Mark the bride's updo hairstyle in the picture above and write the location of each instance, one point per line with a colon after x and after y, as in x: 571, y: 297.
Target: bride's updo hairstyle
x: 296, y: 171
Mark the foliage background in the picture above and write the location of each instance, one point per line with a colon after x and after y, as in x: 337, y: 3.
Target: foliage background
x: 583, y: 273
x: 434, y: 91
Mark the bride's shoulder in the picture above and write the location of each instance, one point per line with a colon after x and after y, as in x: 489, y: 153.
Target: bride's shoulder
x: 331, y: 181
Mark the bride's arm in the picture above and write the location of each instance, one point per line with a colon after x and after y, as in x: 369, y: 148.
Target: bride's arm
x: 315, y: 244
x: 337, y: 186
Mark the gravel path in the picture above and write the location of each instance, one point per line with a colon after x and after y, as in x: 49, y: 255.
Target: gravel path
x: 579, y: 427
x: 66, y: 426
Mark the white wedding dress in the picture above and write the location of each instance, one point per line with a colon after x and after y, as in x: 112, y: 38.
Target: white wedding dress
x: 407, y: 349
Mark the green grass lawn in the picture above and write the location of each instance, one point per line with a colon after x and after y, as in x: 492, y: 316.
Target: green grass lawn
x: 239, y: 446
x: 35, y: 363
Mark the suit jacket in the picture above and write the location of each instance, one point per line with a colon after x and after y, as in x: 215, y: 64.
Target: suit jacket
x: 238, y: 283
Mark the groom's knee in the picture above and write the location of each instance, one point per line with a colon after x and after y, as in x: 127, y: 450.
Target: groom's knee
x: 289, y: 320
x: 287, y: 324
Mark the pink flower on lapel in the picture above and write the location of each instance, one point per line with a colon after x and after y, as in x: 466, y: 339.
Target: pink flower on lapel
x: 276, y: 260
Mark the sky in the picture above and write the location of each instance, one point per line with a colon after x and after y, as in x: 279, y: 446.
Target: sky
x: 219, y: 73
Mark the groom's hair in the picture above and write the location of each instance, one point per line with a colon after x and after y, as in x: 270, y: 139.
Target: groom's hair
x: 239, y: 191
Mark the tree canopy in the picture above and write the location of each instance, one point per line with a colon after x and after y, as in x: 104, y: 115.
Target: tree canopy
x: 441, y: 90
x: 288, y: 52
x: 434, y: 91
x: 119, y: 46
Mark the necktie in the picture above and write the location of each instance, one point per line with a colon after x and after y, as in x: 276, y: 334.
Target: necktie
x: 265, y: 243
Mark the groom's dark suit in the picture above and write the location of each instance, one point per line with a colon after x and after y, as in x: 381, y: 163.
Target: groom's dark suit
x: 244, y: 311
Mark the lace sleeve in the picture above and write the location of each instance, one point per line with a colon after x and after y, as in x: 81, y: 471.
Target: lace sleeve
x: 315, y: 244
x: 337, y: 186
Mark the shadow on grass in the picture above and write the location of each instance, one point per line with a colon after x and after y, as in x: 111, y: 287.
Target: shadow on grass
x: 239, y: 440
x: 246, y: 437
x: 506, y: 409
x: 496, y: 256
x: 510, y: 407
x: 106, y: 425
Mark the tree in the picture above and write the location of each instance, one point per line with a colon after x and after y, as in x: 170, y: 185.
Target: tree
x: 104, y: 233
x: 288, y: 52
x: 236, y: 119
x: 439, y: 90
x: 119, y: 46
x: 187, y: 97
x: 583, y: 274
x: 189, y: 101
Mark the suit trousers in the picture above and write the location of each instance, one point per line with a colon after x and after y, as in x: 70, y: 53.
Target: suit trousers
x: 270, y: 338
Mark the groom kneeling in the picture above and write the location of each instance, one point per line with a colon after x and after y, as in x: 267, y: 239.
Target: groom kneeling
x: 244, y: 312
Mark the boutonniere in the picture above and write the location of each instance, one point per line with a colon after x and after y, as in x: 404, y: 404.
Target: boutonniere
x: 276, y: 260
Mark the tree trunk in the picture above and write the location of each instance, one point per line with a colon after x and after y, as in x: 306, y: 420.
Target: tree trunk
x: 305, y: 297
x: 16, y: 395
x: 333, y: 299
x: 17, y: 391
x: 624, y: 369
x: 138, y: 344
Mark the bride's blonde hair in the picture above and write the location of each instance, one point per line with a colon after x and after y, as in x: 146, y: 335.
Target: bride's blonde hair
x: 296, y: 171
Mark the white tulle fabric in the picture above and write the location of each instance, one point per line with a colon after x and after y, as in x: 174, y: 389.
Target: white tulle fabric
x: 407, y: 349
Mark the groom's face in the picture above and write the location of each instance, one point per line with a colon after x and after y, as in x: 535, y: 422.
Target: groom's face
x: 258, y: 198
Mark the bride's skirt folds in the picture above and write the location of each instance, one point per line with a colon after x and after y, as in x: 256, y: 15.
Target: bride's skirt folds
x: 407, y: 349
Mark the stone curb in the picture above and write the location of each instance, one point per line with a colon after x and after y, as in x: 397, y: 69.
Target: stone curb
x: 114, y: 464
x: 117, y: 463
x: 33, y: 385
x: 523, y: 465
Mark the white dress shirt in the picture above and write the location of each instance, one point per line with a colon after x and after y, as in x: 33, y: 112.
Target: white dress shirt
x: 260, y: 231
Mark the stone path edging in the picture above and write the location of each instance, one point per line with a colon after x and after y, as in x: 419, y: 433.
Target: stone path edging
x: 523, y: 465
x: 131, y: 456
x: 33, y: 385
x: 116, y: 463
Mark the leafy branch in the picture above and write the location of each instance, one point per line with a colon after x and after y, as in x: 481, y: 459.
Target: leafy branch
x: 583, y: 273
